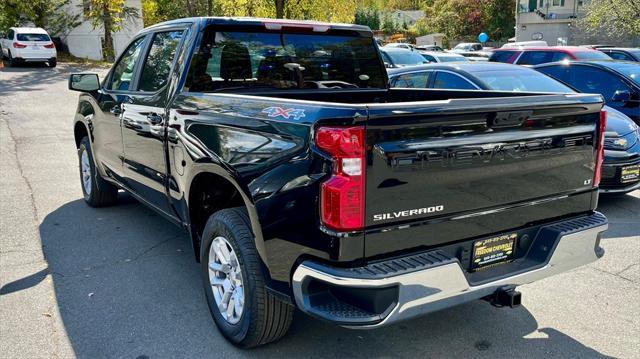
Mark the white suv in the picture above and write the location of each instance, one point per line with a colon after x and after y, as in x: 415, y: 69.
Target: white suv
x: 28, y: 44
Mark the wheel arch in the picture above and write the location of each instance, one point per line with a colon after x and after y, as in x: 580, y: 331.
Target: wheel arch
x: 203, y: 179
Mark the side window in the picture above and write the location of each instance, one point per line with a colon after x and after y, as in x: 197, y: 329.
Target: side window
x: 619, y: 56
x: 558, y: 72
x: 10, y: 35
x: 560, y: 56
x: 413, y: 80
x: 594, y: 80
x: 446, y: 80
x: 503, y: 56
x: 429, y: 58
x: 535, y: 57
x: 386, y: 58
x: 123, y: 72
x: 157, y: 65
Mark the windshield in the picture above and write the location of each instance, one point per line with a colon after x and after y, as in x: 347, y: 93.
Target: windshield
x: 591, y: 55
x: 461, y: 46
x: 452, y: 58
x: 33, y: 37
x: 524, y: 80
x: 406, y: 58
x: 631, y: 70
x: 240, y: 60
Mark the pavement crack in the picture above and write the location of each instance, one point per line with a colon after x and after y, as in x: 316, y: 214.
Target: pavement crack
x: 32, y: 200
x: 627, y: 268
x: 613, y: 274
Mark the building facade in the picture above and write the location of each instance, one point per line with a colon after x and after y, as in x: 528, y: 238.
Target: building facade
x: 556, y: 22
x: 86, y: 42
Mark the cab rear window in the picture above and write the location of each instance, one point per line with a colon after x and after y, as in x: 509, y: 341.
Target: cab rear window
x: 33, y: 37
x: 234, y: 60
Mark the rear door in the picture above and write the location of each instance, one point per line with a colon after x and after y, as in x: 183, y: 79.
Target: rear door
x: 444, y: 171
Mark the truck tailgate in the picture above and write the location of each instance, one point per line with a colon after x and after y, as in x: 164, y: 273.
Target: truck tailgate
x: 444, y: 171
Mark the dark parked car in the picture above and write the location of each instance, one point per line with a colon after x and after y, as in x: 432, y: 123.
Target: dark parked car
x: 541, y: 55
x: 622, y: 53
x: 617, y: 81
x: 621, y: 172
x: 395, y: 57
x: 304, y: 181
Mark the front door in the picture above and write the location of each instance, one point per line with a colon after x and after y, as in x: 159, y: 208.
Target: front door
x: 107, y: 147
x: 144, y: 122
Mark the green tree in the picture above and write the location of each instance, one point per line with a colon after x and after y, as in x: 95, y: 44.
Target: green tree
x: 388, y: 25
x: 52, y: 15
x: 614, y: 17
x: 368, y: 17
x: 111, y: 16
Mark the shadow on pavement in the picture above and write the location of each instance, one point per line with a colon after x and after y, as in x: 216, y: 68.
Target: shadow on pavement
x: 625, y: 206
x: 127, y: 286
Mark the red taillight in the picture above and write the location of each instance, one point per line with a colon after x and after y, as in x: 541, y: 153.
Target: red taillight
x: 342, y: 196
x: 18, y: 45
x: 50, y: 46
x: 600, y: 149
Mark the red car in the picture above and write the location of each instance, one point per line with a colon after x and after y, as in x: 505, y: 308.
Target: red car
x: 541, y: 55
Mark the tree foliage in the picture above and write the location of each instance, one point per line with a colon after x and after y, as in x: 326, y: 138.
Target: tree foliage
x: 111, y: 15
x: 49, y: 14
x: 368, y: 17
x: 614, y: 17
x: 459, y: 19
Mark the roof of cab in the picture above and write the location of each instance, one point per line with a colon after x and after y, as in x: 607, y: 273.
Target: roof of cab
x: 240, y: 21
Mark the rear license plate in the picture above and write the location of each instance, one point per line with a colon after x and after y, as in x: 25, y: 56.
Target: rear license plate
x: 630, y: 173
x: 493, y: 250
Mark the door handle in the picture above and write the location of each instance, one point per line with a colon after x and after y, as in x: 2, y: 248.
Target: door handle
x: 116, y: 110
x: 154, y: 119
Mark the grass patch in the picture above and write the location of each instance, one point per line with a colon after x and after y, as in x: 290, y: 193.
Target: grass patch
x: 65, y: 57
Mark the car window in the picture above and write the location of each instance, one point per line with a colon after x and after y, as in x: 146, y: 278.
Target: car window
x: 413, y: 80
x: 239, y: 60
x: 560, y: 56
x: 123, y: 71
x: 33, y: 37
x: 10, y: 35
x: 590, y: 79
x: 157, y: 65
x: 536, y: 57
x: 619, y: 56
x: 557, y: 72
x: 520, y: 79
x: 429, y: 58
x: 447, y: 80
x: 502, y: 56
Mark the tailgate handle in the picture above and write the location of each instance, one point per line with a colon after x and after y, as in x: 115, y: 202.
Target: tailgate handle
x: 508, y: 119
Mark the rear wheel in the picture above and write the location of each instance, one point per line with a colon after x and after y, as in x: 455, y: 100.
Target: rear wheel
x: 53, y: 63
x: 242, y: 308
x: 97, y: 192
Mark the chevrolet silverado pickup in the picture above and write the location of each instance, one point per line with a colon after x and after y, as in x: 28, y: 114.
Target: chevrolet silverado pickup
x: 304, y: 181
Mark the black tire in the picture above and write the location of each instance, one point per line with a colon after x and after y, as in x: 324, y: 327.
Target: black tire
x: 101, y: 192
x: 53, y: 63
x: 265, y: 318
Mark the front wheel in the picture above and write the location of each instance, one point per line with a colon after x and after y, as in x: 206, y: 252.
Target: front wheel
x: 97, y: 192
x: 242, y: 308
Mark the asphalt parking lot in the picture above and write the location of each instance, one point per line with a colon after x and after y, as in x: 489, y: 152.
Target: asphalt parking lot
x: 120, y: 282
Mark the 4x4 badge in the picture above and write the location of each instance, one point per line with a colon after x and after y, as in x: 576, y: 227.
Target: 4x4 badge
x: 295, y: 113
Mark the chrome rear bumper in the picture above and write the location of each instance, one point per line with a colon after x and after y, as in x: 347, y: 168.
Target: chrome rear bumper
x: 411, y: 286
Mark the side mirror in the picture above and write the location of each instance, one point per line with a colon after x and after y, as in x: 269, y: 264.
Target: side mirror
x: 621, y: 96
x: 388, y: 65
x: 84, y: 82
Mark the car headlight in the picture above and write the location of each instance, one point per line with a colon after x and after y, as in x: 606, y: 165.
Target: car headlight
x: 616, y: 143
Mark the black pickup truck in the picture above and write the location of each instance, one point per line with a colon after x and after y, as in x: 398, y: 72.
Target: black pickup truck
x: 305, y: 181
